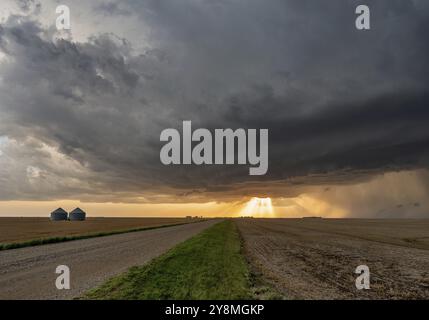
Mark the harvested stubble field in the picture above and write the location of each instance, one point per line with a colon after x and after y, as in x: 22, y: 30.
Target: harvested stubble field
x: 15, y: 230
x: 316, y: 258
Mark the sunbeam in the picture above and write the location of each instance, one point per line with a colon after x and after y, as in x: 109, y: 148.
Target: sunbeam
x: 258, y: 207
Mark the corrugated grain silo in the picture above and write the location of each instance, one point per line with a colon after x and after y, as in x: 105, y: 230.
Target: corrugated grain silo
x: 59, y: 215
x: 77, y: 215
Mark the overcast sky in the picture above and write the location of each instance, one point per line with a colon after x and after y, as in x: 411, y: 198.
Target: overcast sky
x: 347, y: 110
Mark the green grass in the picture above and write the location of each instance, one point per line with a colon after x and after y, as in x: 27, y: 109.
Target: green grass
x: 207, y: 266
x: 38, y: 242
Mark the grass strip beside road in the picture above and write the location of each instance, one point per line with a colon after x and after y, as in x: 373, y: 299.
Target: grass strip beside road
x: 38, y: 242
x: 207, y: 266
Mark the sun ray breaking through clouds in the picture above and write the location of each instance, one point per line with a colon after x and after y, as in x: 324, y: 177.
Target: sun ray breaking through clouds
x: 260, y: 207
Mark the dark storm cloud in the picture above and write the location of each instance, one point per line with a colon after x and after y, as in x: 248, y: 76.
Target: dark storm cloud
x: 29, y: 5
x: 112, y: 8
x: 340, y: 103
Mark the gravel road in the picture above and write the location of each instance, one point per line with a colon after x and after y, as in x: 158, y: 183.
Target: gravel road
x: 29, y: 273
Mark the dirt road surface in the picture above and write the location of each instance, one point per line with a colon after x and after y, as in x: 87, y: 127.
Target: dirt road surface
x: 29, y: 273
x: 317, y: 258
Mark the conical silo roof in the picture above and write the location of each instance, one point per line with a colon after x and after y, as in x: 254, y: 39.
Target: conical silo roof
x: 77, y: 210
x: 59, y: 210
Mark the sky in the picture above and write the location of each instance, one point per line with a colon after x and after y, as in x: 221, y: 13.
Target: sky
x: 81, y: 111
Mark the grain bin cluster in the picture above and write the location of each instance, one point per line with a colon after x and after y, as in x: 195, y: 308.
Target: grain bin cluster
x: 61, y: 215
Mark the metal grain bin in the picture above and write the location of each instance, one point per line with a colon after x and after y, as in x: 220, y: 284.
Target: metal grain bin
x: 59, y: 215
x: 77, y: 215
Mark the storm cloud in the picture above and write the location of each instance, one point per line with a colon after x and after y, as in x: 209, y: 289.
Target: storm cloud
x: 342, y: 105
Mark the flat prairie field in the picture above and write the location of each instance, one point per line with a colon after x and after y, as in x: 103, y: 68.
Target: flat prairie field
x: 14, y: 230
x: 317, y: 258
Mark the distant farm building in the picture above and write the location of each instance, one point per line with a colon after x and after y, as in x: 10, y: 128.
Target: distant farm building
x: 77, y: 215
x: 59, y: 215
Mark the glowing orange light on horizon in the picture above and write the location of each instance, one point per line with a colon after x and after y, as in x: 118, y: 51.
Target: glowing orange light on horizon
x: 258, y: 207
